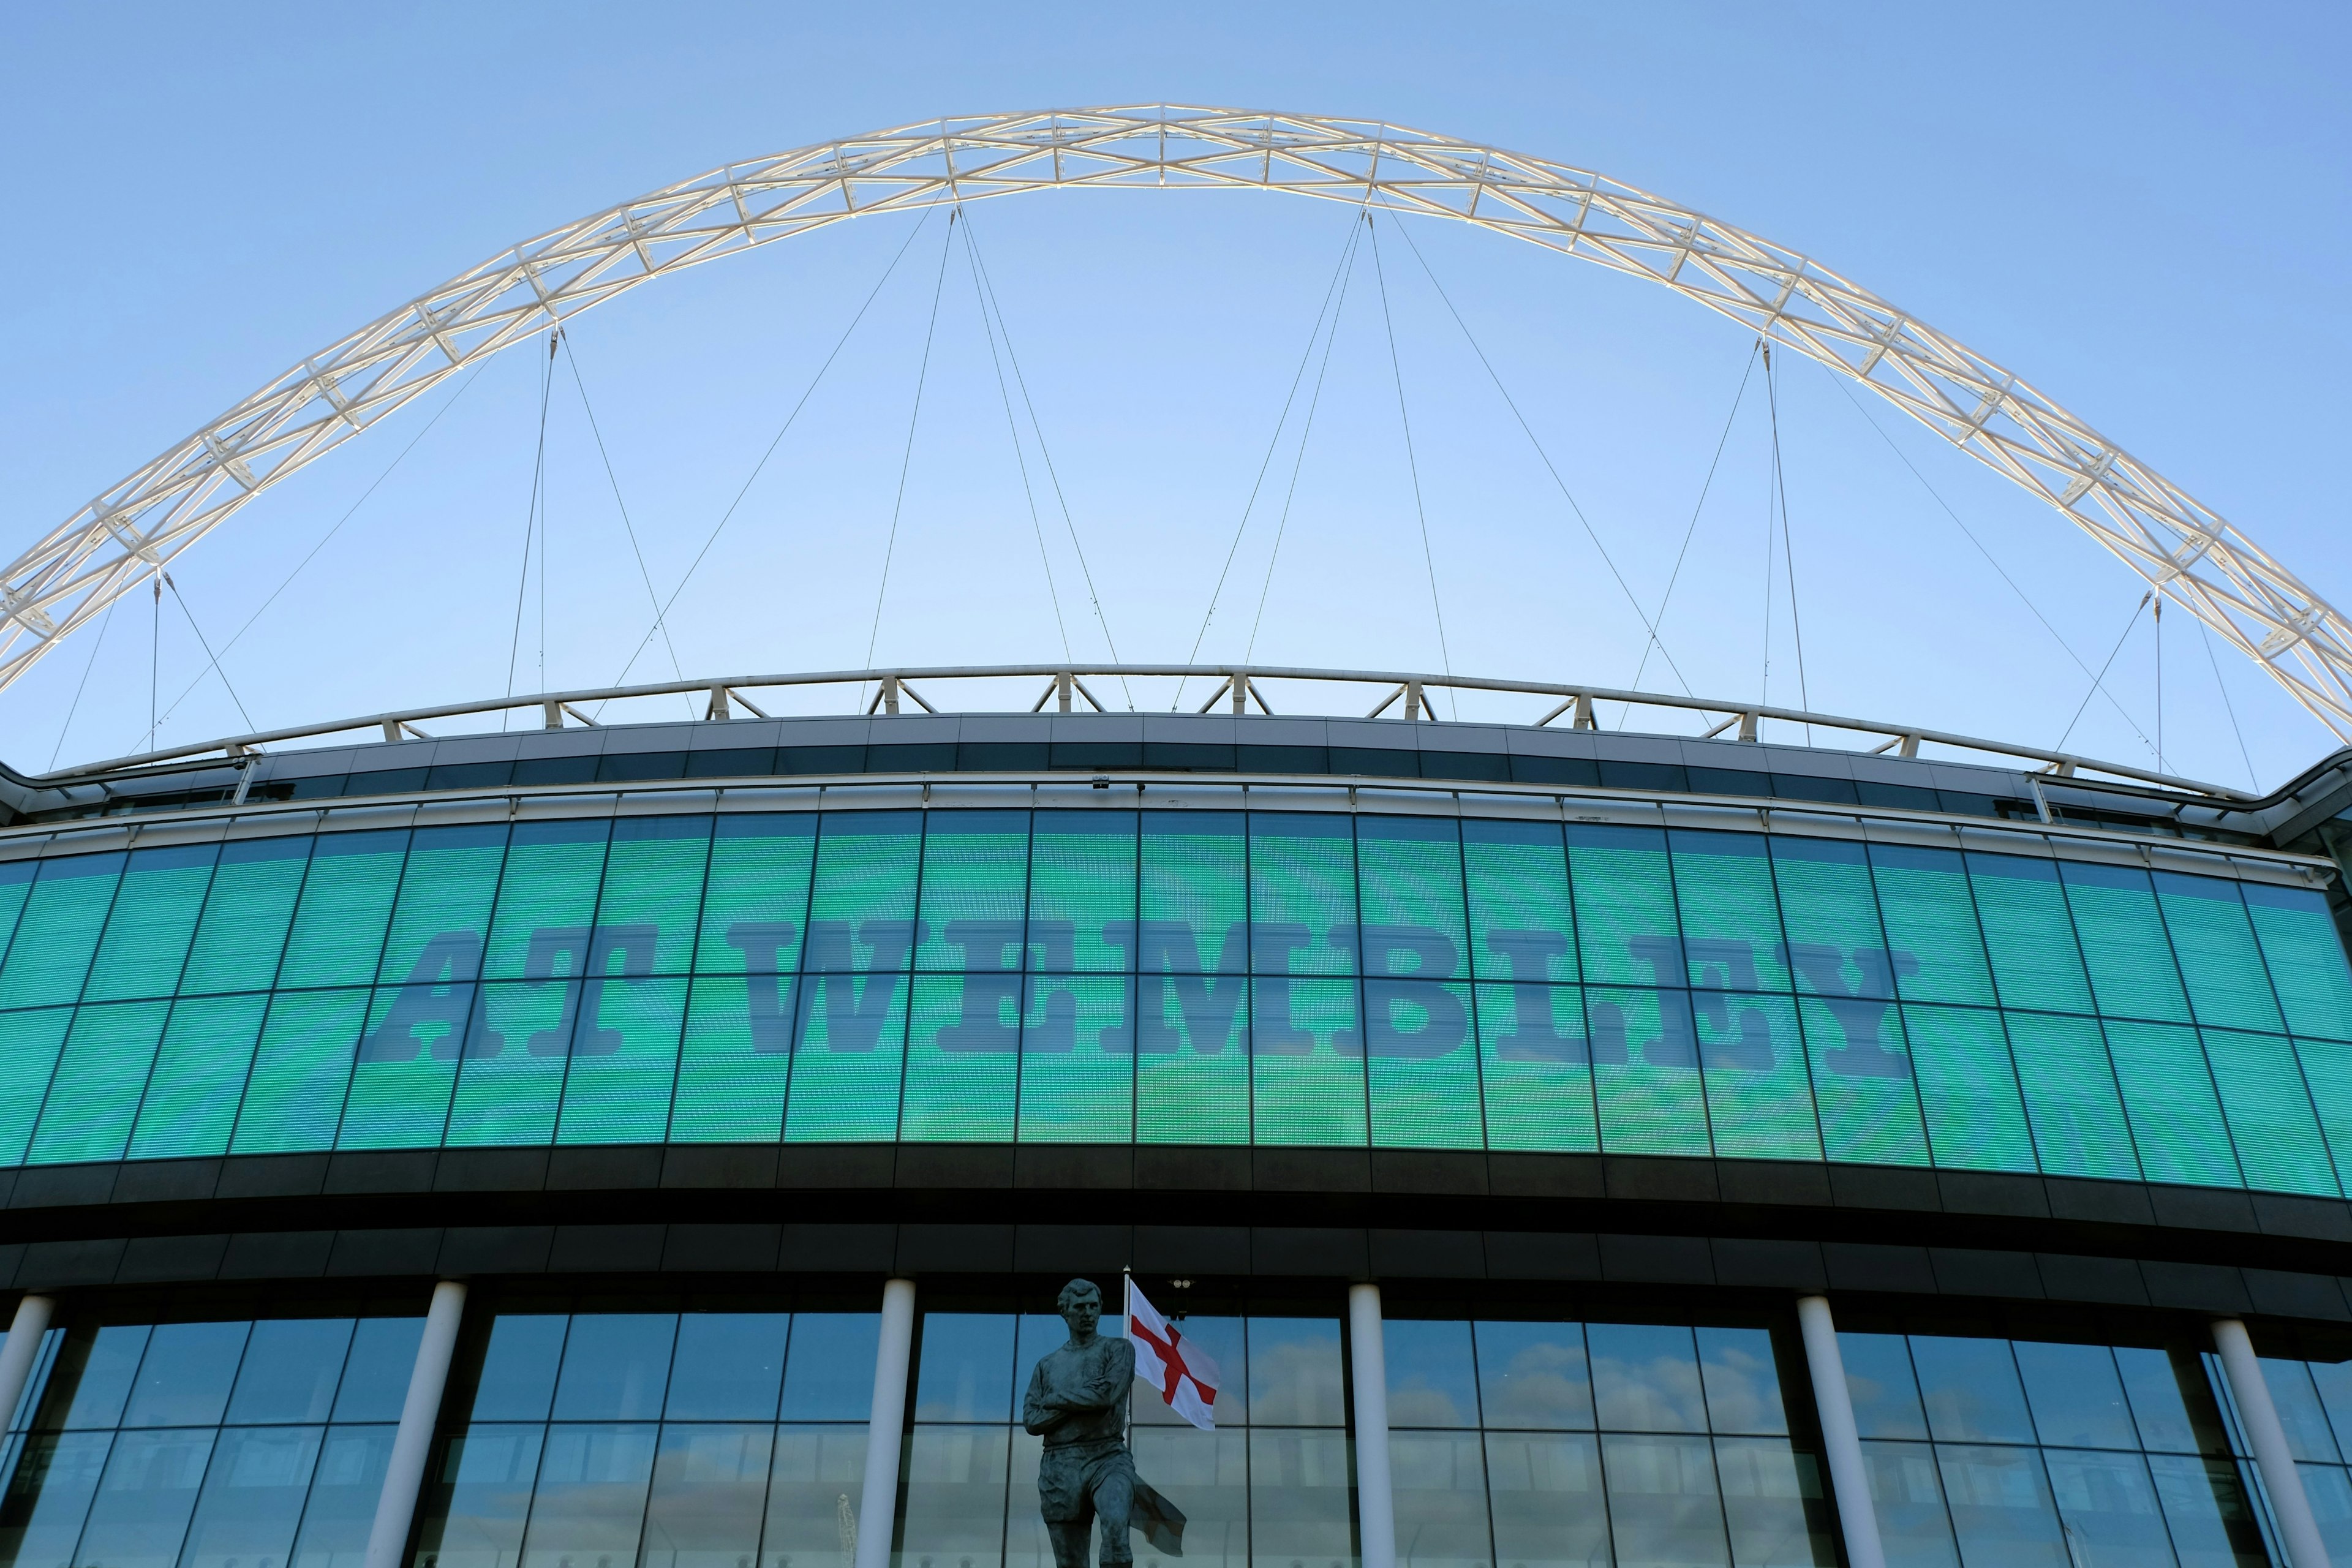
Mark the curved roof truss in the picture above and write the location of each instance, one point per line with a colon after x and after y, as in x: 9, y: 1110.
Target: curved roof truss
x: 2184, y: 550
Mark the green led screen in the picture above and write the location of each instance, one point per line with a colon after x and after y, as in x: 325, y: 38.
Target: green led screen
x: 1287, y: 978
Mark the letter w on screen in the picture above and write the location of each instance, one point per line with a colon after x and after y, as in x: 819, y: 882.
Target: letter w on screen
x: 1181, y: 1370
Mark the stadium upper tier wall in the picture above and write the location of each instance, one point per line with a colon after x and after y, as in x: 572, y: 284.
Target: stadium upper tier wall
x: 967, y: 965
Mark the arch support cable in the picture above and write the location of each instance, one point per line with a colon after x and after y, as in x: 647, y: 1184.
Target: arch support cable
x: 2183, y: 549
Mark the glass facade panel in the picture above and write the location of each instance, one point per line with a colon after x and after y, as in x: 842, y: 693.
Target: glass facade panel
x: 2068, y: 1454
x: 1086, y: 977
x: 213, y: 1443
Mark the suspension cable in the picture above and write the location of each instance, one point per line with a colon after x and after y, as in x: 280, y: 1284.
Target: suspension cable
x: 154, y: 659
x: 75, y: 706
x: 907, y: 458
x: 572, y: 361
x: 1412, y: 465
x: 530, y: 521
x: 2229, y: 707
x: 806, y: 393
x: 1969, y: 534
x: 2100, y: 678
x: 1019, y: 457
x: 214, y: 662
x: 1274, y: 442
x: 1549, y: 466
x: 1788, y: 544
x: 287, y: 581
x: 1692, y: 529
x: 1298, y: 459
x: 1037, y: 429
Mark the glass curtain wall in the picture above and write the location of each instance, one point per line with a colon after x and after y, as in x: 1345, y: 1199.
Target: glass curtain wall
x: 226, y: 1444
x: 2040, y: 1450
x: 585, y: 1436
x: 1270, y: 1488
x: 2309, y: 1375
x: 1546, y: 1444
x: 1164, y: 977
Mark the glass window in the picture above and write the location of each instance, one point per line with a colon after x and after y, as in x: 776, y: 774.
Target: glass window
x: 252, y: 1495
x: 516, y: 1382
x: 2076, y: 1395
x: 965, y: 1371
x: 1534, y: 1375
x: 709, y: 1491
x: 1645, y: 1379
x: 375, y: 1377
x: 615, y: 1366
x: 1742, y: 1380
x: 1440, y: 1488
x: 290, y: 1369
x: 1663, y: 1506
x: 2000, y: 1505
x: 830, y: 1374
x: 140, y: 1516
x: 1971, y: 1390
x: 1547, y: 1500
x: 1432, y: 1381
x: 184, y: 1379
x: 1293, y: 1373
x: 730, y: 1366
x: 588, y: 1503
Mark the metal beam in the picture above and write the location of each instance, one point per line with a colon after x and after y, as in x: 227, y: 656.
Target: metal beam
x: 1244, y: 684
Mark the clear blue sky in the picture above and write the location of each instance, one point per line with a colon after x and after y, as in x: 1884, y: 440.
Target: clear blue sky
x: 2142, y: 208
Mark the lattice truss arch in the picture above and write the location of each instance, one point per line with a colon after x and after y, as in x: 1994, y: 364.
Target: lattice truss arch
x: 2185, y: 550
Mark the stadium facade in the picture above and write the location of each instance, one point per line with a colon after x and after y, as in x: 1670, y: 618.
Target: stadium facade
x: 661, y: 1145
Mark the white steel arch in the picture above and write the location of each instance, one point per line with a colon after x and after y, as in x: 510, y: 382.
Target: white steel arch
x: 2185, y: 550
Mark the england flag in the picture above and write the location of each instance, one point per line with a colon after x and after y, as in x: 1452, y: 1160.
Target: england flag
x: 1181, y: 1370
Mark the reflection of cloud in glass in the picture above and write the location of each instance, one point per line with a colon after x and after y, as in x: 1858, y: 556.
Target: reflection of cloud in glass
x: 1743, y: 1387
x: 1430, y: 1379
x: 1533, y: 1375
x: 1645, y: 1378
x: 1295, y: 1373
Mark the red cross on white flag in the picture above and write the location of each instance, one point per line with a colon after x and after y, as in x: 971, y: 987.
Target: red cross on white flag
x: 1181, y: 1370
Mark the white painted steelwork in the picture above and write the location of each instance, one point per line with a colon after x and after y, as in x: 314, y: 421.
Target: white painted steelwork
x: 22, y: 1345
x: 412, y: 1440
x: 1841, y: 1446
x: 1242, y: 685
x: 2185, y: 550
x: 2273, y: 1455
x: 1375, y: 1490
x: 877, y: 1497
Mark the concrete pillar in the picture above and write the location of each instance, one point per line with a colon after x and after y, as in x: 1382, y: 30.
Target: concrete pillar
x: 2252, y: 1395
x: 877, y: 1510
x: 412, y: 1443
x: 1841, y: 1446
x: 1375, y: 1494
x: 24, y: 1342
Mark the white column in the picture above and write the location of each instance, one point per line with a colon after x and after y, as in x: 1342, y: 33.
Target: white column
x: 24, y: 1342
x: 1833, y: 1403
x: 2252, y: 1395
x: 1375, y: 1495
x: 878, y: 1509
x: 396, y: 1506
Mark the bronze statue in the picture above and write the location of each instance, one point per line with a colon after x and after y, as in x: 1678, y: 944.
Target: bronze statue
x: 1078, y: 1402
